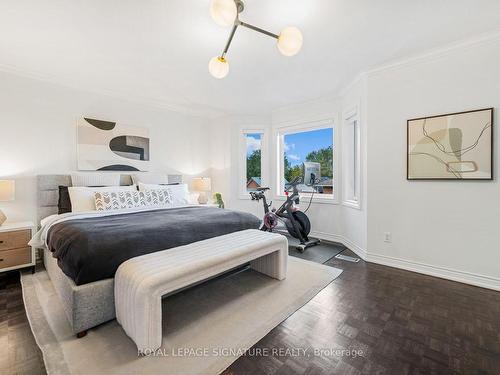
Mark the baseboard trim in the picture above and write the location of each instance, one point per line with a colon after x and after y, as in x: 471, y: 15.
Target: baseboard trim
x: 359, y: 251
x: 464, y: 277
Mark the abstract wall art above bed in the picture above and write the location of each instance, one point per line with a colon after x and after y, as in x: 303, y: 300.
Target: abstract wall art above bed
x: 456, y: 146
x: 110, y: 146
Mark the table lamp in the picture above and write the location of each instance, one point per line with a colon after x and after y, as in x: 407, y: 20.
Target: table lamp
x: 7, y: 193
x: 203, y: 185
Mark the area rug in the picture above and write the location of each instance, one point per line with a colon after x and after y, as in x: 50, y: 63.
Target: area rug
x: 205, y: 328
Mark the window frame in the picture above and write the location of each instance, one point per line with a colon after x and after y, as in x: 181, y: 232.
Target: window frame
x: 279, y: 134
x: 351, y: 119
x: 242, y: 175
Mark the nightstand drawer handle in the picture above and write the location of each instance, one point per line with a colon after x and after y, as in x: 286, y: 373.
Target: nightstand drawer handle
x: 1, y: 242
x: 1, y: 259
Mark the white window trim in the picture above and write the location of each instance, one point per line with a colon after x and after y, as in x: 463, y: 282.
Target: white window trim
x: 278, y: 134
x: 349, y: 118
x: 242, y: 150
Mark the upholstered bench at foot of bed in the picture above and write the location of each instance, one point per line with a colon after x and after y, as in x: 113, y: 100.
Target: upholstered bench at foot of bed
x: 141, y: 282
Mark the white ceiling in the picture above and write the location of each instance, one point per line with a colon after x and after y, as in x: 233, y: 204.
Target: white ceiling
x: 158, y: 50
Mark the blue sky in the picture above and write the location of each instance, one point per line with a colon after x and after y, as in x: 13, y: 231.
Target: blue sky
x: 298, y: 145
x: 253, y: 143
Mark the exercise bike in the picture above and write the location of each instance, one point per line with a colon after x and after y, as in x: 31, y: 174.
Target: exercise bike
x: 296, y: 222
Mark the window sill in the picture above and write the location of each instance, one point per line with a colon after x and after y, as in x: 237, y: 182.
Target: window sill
x: 305, y: 199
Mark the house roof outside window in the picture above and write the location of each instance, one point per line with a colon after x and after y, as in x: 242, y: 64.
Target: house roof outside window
x: 256, y: 180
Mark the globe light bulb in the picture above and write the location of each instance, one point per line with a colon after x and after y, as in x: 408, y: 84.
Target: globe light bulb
x: 218, y: 67
x: 290, y: 41
x: 223, y: 12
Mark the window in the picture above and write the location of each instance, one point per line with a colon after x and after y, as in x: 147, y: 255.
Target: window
x: 253, y: 168
x: 352, y: 163
x: 308, y: 154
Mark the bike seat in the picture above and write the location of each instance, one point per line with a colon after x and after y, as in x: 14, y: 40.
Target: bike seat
x: 263, y: 189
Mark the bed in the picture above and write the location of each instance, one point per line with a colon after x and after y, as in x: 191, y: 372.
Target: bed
x: 87, y: 248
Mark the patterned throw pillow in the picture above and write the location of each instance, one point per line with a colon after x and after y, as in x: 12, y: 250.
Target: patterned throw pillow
x: 118, y: 200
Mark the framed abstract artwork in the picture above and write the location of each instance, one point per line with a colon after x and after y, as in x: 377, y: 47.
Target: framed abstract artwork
x: 110, y: 146
x: 455, y: 146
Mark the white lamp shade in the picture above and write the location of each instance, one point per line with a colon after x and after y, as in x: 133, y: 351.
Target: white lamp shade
x: 218, y: 67
x: 202, y: 184
x: 7, y: 190
x: 290, y: 41
x: 223, y: 12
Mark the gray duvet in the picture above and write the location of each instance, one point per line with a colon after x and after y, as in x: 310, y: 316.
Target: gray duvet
x: 91, y: 249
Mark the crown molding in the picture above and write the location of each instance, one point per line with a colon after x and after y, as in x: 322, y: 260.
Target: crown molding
x: 360, y: 77
x: 195, y: 110
x: 439, y: 52
x: 336, y: 97
x: 199, y: 110
x: 331, y: 99
x: 429, y: 55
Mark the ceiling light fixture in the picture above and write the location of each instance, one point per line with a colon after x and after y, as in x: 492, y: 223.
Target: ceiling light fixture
x: 226, y: 13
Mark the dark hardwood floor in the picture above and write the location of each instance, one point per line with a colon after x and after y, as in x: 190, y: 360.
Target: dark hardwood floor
x: 399, y: 322
x: 403, y: 322
x: 19, y: 353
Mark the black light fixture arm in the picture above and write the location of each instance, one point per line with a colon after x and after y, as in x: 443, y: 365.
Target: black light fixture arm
x: 237, y: 23
x: 288, y: 41
x: 258, y: 29
x: 226, y: 48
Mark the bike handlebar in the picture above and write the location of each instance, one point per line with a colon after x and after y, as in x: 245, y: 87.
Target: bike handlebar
x: 257, y: 195
x: 297, y: 180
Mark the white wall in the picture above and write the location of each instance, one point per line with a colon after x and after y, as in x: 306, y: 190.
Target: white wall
x: 38, y: 135
x: 220, y: 155
x: 451, y: 228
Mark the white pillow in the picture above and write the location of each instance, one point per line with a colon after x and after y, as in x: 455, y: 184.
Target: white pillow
x: 150, y: 178
x: 95, y: 179
x: 119, y: 200
x: 180, y: 192
x: 82, y: 198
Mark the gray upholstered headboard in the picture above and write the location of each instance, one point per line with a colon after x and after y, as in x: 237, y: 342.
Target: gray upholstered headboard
x: 48, y: 191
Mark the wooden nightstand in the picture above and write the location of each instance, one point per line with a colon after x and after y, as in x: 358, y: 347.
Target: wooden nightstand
x: 15, y: 252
